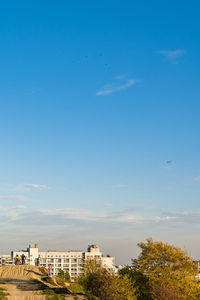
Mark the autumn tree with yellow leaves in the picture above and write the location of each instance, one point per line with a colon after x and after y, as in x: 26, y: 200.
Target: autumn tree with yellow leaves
x: 161, y: 272
x: 170, y: 271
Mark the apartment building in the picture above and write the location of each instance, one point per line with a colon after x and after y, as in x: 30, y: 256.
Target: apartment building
x: 54, y: 261
x: 6, y: 260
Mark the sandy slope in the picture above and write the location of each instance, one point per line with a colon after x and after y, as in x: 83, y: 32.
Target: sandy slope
x: 18, y: 281
x: 20, y: 272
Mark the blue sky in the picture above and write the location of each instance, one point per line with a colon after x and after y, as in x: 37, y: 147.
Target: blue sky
x: 99, y: 124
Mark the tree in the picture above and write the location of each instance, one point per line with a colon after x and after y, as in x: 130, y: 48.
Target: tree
x: 61, y: 274
x: 140, y: 283
x: 67, y: 276
x: 122, y: 288
x: 162, y: 290
x: 170, y: 267
x: 98, y: 282
x: 64, y: 275
x: 95, y: 280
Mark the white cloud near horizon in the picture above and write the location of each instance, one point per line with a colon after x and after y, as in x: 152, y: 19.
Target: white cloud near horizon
x: 78, y: 216
x: 56, y: 217
x: 69, y: 226
x: 126, y: 216
x: 113, y: 88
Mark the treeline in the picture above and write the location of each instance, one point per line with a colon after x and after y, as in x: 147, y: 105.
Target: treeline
x: 161, y: 272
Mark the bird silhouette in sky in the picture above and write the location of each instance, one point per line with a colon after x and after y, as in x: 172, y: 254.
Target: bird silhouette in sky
x: 168, y: 161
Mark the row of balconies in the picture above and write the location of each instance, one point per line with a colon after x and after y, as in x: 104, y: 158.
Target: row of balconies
x: 59, y: 264
x: 59, y: 256
x: 43, y: 260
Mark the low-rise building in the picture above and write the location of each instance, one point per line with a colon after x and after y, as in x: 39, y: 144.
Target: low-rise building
x: 54, y: 261
x: 5, y: 260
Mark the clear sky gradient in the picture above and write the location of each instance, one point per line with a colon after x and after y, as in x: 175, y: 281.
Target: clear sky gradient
x: 99, y: 124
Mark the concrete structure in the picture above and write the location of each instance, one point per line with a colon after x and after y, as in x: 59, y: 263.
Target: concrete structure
x: 6, y: 260
x: 70, y: 261
x: 54, y: 261
x: 31, y: 254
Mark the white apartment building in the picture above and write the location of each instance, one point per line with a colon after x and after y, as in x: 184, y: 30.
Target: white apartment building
x: 54, y: 261
x: 70, y: 261
x: 6, y: 260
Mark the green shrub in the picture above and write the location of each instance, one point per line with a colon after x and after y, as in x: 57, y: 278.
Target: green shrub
x: 64, y: 275
x: 75, y: 287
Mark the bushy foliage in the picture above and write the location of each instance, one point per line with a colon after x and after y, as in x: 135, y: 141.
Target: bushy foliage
x: 145, y: 289
x: 161, y: 272
x: 170, y: 271
x: 162, y: 290
x: 122, y: 288
x: 67, y: 277
x: 98, y: 282
x: 61, y: 274
x: 140, y: 282
x: 64, y: 275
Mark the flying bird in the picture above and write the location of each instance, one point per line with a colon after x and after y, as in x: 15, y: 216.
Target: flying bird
x: 168, y: 161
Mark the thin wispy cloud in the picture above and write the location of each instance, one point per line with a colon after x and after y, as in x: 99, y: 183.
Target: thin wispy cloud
x: 120, y: 185
x: 24, y: 187
x: 184, y: 217
x: 84, y: 215
x: 120, y: 77
x: 130, y: 215
x: 107, y: 205
x: 10, y: 214
x: 74, y: 216
x: 14, y: 198
x: 114, y: 88
x: 197, y: 178
x: 37, y: 187
x: 172, y: 55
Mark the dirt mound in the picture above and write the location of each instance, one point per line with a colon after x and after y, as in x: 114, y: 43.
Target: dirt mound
x: 20, y: 272
x: 24, y: 282
x: 19, y: 282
